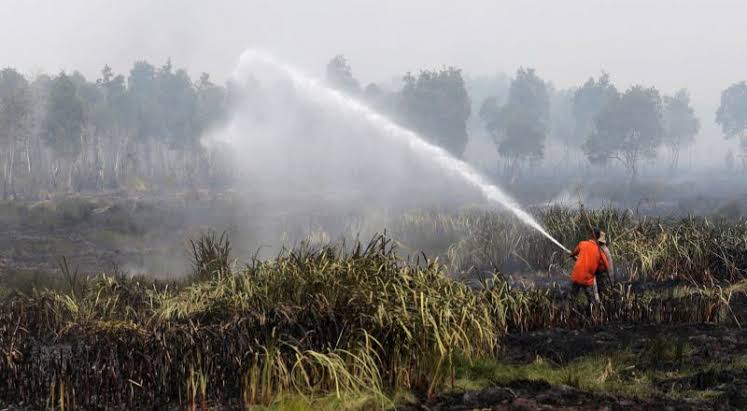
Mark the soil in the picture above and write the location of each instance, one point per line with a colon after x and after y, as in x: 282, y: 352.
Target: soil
x: 150, y: 233
x: 711, y: 344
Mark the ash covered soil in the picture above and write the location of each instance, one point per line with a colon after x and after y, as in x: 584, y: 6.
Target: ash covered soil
x: 708, y: 371
x: 133, y: 234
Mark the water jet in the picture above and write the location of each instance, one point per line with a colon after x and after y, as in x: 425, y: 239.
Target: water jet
x: 419, y: 146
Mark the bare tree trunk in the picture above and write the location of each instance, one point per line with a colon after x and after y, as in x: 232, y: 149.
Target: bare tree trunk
x: 100, y: 164
x: 117, y: 154
x: 633, y: 174
x: 513, y: 169
x: 121, y: 147
x: 31, y: 183
x: 5, y: 178
x: 28, y: 154
x: 70, y: 171
x: 11, y: 166
x: 674, y: 160
x: 208, y: 165
x: 149, y: 147
x: 53, y: 174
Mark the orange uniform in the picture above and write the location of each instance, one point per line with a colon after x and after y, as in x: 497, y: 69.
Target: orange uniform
x: 587, y: 263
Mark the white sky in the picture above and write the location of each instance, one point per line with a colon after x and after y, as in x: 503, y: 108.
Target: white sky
x: 698, y: 44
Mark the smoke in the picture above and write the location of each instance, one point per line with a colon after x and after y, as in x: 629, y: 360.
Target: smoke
x: 311, y: 168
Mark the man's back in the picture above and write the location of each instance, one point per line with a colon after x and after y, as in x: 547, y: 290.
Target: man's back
x: 587, y: 263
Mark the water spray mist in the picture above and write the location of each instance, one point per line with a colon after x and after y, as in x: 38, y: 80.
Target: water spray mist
x: 419, y: 146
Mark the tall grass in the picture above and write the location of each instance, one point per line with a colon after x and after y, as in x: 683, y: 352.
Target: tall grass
x: 699, y: 249
x: 312, y: 322
x: 211, y: 255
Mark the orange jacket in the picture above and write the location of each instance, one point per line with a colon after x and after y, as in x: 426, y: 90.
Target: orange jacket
x: 587, y: 263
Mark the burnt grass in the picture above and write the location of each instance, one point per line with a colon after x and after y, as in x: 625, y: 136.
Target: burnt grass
x: 704, y: 377
x: 685, y: 366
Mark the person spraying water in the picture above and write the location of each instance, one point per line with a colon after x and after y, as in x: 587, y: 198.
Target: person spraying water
x: 590, y: 259
x: 250, y: 59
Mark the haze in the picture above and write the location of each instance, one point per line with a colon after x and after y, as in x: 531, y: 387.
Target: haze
x: 670, y: 44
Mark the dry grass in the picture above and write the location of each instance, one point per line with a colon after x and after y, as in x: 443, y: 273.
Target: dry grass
x: 314, y: 322
x: 699, y: 249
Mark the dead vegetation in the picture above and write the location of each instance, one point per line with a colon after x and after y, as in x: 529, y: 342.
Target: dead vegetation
x: 479, y: 242
x: 315, y: 322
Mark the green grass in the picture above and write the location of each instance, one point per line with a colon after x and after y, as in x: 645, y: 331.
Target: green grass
x: 609, y: 373
x: 629, y: 372
x: 740, y: 362
x: 347, y: 402
x: 621, y: 372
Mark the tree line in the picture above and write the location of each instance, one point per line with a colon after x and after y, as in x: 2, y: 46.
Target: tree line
x: 606, y: 124
x: 67, y: 133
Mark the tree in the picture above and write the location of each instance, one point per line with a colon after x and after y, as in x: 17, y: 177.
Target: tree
x: 340, y: 75
x: 35, y: 143
x: 15, y: 116
x: 89, y: 161
x: 374, y: 95
x: 732, y: 115
x: 210, y: 109
x: 588, y: 101
x: 436, y: 105
x: 88, y: 92
x: 383, y: 100
x: 114, y: 121
x: 490, y: 114
x: 562, y: 121
x: 115, y: 113
x: 142, y: 88
x: 64, y: 122
x: 211, y: 103
x: 176, y: 99
x: 67, y: 126
x: 519, y: 128
x: 628, y: 129
x: 680, y: 124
